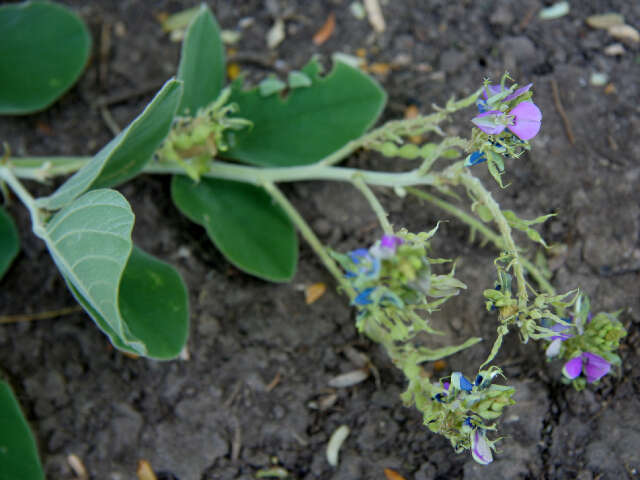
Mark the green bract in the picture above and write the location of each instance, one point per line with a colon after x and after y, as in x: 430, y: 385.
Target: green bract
x: 44, y: 49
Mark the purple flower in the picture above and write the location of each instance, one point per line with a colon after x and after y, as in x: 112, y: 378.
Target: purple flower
x: 386, y: 247
x: 475, y: 158
x: 361, y: 256
x: 594, y: 367
x: 460, y: 382
x: 518, y: 92
x: 556, y: 341
x: 524, y: 121
x: 488, y: 122
x: 364, y: 297
x: 480, y: 448
x: 527, y: 119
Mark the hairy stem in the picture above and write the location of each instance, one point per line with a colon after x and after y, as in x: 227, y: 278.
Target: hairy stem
x: 6, y: 175
x: 483, y: 195
x: 376, y: 206
x: 496, y: 239
x: 309, y: 236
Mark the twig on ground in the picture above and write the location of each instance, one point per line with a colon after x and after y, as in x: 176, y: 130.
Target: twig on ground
x: 565, y: 119
x: 40, y: 316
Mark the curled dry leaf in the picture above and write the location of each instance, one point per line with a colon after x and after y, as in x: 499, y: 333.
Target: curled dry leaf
x: 313, y: 292
x: 326, y: 30
x: 392, y: 474
x: 77, y: 466
x: 625, y: 33
x: 605, y: 20
x: 374, y: 13
x: 276, y: 34
x: 350, y: 378
x: 335, y: 443
x: 145, y: 472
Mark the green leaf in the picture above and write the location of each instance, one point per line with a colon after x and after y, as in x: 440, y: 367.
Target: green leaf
x: 18, y: 451
x: 243, y: 222
x: 90, y: 242
x: 9, y: 241
x: 310, y: 123
x: 127, y: 154
x: 425, y: 354
x: 44, y: 47
x: 155, y: 305
x: 202, y: 63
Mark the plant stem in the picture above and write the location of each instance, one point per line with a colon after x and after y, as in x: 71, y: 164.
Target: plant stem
x: 39, y: 316
x: 496, y: 239
x: 483, y: 195
x: 35, y: 169
x: 25, y: 197
x: 376, y: 206
x: 309, y: 236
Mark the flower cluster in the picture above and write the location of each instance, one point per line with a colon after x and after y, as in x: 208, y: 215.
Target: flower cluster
x: 393, y: 280
x: 507, y: 119
x: 587, y: 343
x: 460, y: 410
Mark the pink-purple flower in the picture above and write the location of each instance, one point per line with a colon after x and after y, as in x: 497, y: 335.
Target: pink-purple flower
x: 523, y: 120
x: 593, y: 366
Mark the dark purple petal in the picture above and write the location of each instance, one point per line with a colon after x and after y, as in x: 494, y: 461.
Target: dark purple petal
x: 487, y: 122
x: 527, y: 120
x: 573, y: 368
x: 446, y: 385
x: 595, y: 366
x: 518, y: 92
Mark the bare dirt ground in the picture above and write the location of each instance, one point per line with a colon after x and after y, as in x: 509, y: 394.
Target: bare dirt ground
x: 221, y: 415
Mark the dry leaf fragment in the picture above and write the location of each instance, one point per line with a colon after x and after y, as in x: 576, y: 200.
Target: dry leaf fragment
x: 374, y: 12
x: 276, y: 34
x: 379, y: 68
x: 609, y: 89
x: 145, y: 472
x: 625, y: 33
x: 77, y: 466
x: 326, y: 30
x: 605, y: 20
x: 313, y: 292
x: 614, y: 49
x: 439, y: 365
x: 392, y: 474
x: 233, y: 70
x: 350, y: 378
x: 335, y: 442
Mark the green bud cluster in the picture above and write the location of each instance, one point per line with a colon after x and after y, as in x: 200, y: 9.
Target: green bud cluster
x: 194, y: 141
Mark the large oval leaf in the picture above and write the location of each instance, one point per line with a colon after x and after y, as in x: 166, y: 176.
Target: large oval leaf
x: 90, y: 242
x: 18, y: 451
x: 127, y: 154
x: 310, y: 123
x: 44, y: 49
x: 9, y: 241
x: 202, y: 62
x: 155, y: 305
x: 243, y: 222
